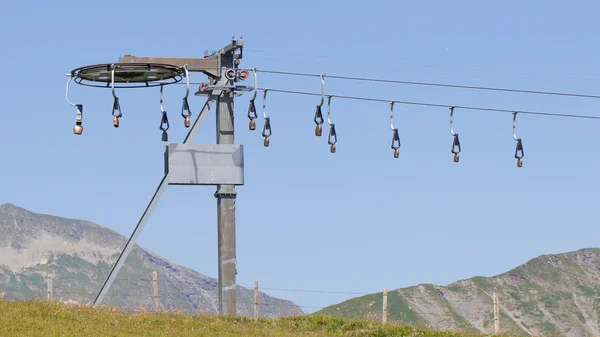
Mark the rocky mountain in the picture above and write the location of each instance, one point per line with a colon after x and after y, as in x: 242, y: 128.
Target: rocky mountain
x: 79, y: 254
x: 551, y: 295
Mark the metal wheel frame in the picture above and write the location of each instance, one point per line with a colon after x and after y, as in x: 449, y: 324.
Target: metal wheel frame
x: 128, y: 75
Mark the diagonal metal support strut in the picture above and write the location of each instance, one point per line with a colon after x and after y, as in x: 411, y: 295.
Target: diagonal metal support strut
x: 159, y: 191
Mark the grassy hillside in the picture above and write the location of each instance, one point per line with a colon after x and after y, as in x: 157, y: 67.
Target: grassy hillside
x: 551, y: 295
x: 19, y: 318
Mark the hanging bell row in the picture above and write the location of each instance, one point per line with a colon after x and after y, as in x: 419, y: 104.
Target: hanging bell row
x: 186, y: 113
x: 519, y: 153
x: 332, y: 138
x: 116, y: 107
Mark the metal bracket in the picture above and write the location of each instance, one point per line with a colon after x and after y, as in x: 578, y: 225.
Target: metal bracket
x: 207, y: 89
x: 228, y: 194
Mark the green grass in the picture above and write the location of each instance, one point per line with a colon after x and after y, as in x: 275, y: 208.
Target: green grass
x: 36, y: 318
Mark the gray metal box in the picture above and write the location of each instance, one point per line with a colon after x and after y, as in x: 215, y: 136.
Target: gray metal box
x: 204, y: 164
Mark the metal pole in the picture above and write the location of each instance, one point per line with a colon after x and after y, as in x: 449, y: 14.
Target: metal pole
x: 226, y: 195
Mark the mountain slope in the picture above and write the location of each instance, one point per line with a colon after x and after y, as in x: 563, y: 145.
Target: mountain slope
x: 80, y: 254
x: 555, y: 295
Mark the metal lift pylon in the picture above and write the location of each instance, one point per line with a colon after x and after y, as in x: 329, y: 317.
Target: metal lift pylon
x: 196, y: 164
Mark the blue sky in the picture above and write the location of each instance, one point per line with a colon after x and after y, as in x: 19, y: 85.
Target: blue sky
x: 357, y: 220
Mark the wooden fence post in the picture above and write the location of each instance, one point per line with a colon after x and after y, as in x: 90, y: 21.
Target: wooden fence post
x: 385, y: 306
x: 49, y: 285
x: 256, y: 300
x: 496, y: 314
x: 155, y: 286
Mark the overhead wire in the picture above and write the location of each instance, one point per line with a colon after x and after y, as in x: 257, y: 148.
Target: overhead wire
x: 435, y: 104
x: 429, y: 84
x: 433, y: 84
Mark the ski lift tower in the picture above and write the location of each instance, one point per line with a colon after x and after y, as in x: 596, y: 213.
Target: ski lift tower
x: 220, y: 164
